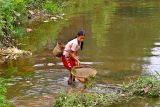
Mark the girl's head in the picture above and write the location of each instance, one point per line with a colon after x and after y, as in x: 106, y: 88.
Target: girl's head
x: 80, y: 38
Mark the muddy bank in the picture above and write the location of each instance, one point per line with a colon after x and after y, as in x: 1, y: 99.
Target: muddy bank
x: 39, y: 101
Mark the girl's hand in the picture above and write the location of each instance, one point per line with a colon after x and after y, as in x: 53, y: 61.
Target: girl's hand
x: 78, y: 63
x: 77, y: 57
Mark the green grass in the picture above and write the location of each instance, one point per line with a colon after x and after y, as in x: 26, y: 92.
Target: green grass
x: 138, y: 87
x: 130, y: 90
x: 3, y: 100
x: 79, y: 99
x: 52, y: 7
x: 13, y: 11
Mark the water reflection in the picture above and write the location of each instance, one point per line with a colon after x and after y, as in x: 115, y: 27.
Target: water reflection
x: 153, y: 62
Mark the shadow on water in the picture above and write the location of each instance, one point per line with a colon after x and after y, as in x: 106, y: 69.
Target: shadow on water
x: 122, y: 42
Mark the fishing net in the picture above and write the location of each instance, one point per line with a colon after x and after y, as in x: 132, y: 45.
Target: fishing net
x: 83, y: 73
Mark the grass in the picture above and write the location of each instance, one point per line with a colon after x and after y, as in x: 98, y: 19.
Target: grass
x: 3, y: 100
x: 90, y: 82
x: 148, y: 86
x: 13, y: 12
x: 144, y: 86
x: 79, y: 99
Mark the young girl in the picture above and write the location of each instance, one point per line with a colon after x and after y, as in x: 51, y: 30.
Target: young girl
x: 70, y: 54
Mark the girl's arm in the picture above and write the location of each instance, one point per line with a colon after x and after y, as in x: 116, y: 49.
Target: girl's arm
x: 74, y: 55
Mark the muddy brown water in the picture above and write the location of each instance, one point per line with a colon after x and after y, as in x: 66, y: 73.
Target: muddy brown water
x: 122, y: 42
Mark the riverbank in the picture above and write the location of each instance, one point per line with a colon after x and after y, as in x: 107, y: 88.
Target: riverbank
x: 15, y: 16
x: 144, y: 86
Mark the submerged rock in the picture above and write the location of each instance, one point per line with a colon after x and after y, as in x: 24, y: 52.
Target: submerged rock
x: 12, y: 54
x: 28, y: 30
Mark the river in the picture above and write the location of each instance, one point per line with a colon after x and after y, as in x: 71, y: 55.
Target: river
x: 122, y: 42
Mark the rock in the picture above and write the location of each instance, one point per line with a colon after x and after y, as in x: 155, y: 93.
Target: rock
x: 12, y: 54
x: 53, y: 18
x: 28, y: 30
x: 61, y: 17
x: 147, y: 88
x: 46, y: 21
x: 62, y: 14
x: 50, y: 64
x: 31, y: 12
x: 123, y: 95
x: 17, y: 14
x: 58, y: 16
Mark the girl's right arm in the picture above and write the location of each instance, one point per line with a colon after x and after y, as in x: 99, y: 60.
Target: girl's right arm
x: 74, y: 56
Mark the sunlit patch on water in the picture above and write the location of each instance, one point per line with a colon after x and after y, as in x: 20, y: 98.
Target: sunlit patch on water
x: 84, y: 63
x: 157, y: 44
x: 42, y: 65
x: 105, y: 89
x: 153, y: 65
x: 39, y: 65
x: 155, y: 51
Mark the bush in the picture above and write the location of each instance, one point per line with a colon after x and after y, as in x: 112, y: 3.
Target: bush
x: 3, y: 101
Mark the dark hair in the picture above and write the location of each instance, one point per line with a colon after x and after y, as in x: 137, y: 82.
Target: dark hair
x: 81, y: 33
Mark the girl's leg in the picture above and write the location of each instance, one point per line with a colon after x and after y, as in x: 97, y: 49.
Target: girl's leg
x: 73, y: 78
x: 69, y: 64
x: 70, y: 80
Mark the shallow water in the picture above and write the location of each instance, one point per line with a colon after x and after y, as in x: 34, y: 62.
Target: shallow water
x: 122, y: 42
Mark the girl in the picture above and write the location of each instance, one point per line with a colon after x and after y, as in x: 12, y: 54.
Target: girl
x: 70, y: 54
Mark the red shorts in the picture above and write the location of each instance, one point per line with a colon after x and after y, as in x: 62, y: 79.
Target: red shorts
x: 68, y: 63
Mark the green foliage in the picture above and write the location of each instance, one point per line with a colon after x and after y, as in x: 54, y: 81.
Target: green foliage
x: 6, y: 19
x: 146, y: 85
x: 73, y: 71
x: 78, y: 99
x: 90, y: 82
x: 52, y: 7
x: 3, y: 101
x: 35, y: 4
x: 20, y: 6
x: 12, y: 11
